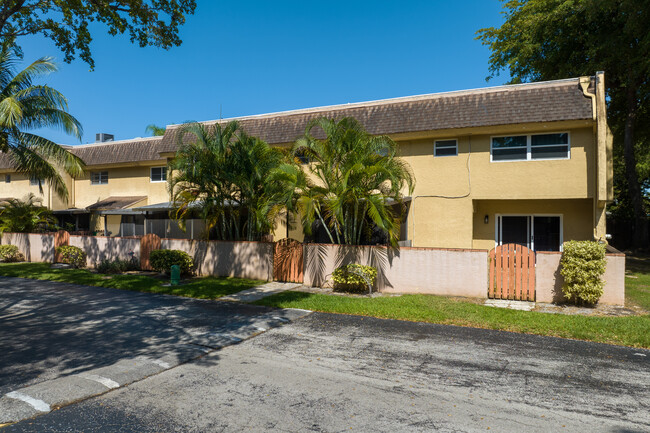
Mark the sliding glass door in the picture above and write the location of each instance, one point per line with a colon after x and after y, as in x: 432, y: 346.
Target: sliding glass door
x: 537, y: 232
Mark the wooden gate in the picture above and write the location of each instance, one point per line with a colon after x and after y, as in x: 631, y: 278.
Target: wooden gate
x: 512, y: 273
x: 148, y: 243
x: 288, y: 261
x: 61, y: 238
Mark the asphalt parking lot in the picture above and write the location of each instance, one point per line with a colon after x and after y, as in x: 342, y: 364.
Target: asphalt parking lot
x: 327, y: 372
x: 56, y: 338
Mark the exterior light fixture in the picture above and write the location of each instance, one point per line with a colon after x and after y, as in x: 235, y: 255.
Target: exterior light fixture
x: 486, y: 219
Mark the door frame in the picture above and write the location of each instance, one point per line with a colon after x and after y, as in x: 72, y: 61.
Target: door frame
x: 498, y: 228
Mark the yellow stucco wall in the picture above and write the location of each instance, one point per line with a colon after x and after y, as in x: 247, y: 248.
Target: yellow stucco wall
x: 295, y: 230
x: 452, y: 194
x: 122, y: 181
x: 19, y: 187
x: 447, y: 188
x: 577, y: 215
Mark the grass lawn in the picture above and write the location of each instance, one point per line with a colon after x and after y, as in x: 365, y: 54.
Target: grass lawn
x: 628, y: 331
x: 201, y: 288
x: 637, y: 282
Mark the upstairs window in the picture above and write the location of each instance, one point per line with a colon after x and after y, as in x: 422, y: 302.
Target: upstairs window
x: 530, y: 147
x: 549, y: 146
x: 158, y: 174
x: 99, y: 178
x: 445, y: 148
x: 35, y: 181
x: 7, y: 178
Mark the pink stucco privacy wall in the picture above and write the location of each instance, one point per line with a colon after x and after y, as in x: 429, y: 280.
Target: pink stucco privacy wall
x: 227, y: 259
x: 98, y: 248
x: 36, y: 247
x: 549, y: 280
x: 407, y: 270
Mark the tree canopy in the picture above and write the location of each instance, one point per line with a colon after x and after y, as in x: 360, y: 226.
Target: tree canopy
x: 352, y: 183
x: 25, y: 106
x: 222, y: 174
x: 67, y: 23
x: 554, y: 39
x: 25, y: 216
x: 155, y: 130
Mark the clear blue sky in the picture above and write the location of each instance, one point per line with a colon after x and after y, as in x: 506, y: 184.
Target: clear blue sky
x: 252, y: 57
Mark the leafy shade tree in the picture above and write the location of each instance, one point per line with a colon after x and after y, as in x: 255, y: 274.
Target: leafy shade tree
x: 67, y: 23
x: 551, y: 39
x: 26, y: 106
x: 25, y: 216
x: 223, y: 174
x: 353, y: 181
x: 155, y: 130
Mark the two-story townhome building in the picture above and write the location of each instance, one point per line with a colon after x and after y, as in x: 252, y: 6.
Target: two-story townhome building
x: 527, y: 163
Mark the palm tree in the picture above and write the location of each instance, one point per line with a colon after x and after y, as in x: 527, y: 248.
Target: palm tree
x: 354, y: 180
x: 24, y: 216
x: 155, y: 130
x: 26, y: 106
x: 223, y: 173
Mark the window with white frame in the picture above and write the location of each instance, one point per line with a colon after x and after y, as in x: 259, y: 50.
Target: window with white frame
x: 531, y: 147
x: 445, y: 148
x: 158, y: 174
x: 99, y: 178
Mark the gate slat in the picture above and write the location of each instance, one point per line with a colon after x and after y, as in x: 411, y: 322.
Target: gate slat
x: 499, y: 265
x: 531, y: 276
x: 524, y: 275
x: 511, y: 270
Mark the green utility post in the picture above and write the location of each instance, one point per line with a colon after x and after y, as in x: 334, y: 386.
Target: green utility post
x: 176, y: 275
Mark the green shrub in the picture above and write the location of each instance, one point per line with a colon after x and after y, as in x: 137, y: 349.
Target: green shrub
x: 116, y: 266
x: 74, y: 256
x: 10, y: 254
x: 162, y: 261
x: 347, y: 277
x: 582, y: 265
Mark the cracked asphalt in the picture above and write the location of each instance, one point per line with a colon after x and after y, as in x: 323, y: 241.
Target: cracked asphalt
x: 328, y: 372
x: 62, y: 342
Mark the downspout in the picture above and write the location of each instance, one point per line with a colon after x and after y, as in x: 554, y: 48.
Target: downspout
x: 584, y: 85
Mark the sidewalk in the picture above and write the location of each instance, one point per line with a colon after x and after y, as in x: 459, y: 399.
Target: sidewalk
x: 259, y: 292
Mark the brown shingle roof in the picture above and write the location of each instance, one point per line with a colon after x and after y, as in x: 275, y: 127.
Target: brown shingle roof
x: 524, y: 103
x: 116, y: 152
x: 5, y: 161
x: 116, y: 202
x: 113, y: 152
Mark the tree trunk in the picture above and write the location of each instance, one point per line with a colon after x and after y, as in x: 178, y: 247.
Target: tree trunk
x: 634, y: 189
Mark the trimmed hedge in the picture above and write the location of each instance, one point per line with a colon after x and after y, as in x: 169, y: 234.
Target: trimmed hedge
x: 116, y: 266
x: 10, y: 254
x: 74, y: 256
x: 347, y: 277
x: 162, y: 261
x: 582, y: 265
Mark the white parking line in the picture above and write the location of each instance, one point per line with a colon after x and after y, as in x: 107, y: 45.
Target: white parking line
x: 160, y: 362
x: 37, y: 404
x: 108, y: 383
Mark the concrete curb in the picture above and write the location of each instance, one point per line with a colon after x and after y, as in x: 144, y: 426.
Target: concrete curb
x: 42, y: 398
